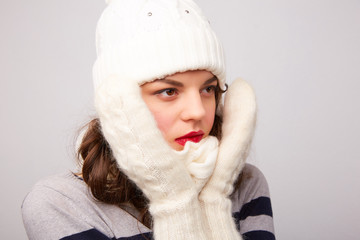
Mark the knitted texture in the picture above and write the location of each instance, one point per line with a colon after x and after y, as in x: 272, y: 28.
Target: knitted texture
x: 200, y: 159
x: 151, y: 39
x: 144, y: 156
x: 239, y: 117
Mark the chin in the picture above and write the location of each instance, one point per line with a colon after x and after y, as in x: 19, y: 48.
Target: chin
x: 176, y: 146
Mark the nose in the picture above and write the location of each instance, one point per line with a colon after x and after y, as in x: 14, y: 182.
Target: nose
x: 193, y: 107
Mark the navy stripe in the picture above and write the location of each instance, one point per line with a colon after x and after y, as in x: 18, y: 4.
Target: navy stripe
x: 143, y: 236
x: 256, y: 207
x: 258, y: 235
x: 94, y: 234
x: 91, y: 234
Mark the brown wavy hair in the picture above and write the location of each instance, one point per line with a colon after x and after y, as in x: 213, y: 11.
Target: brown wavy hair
x: 106, y: 181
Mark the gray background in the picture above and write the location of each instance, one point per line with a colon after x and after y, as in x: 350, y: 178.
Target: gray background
x: 301, y: 56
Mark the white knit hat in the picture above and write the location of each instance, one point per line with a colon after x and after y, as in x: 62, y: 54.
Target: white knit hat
x: 145, y: 40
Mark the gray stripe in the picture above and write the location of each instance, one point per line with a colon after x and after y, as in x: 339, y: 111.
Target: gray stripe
x: 253, y: 224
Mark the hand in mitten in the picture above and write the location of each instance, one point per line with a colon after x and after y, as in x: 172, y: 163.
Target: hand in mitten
x: 239, y: 116
x: 200, y: 159
x: 143, y: 155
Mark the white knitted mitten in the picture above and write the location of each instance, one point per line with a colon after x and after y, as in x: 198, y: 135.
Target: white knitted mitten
x: 200, y: 159
x: 239, y: 116
x: 145, y: 157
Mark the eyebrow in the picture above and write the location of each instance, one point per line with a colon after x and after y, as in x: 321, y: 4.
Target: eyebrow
x: 179, y: 84
x: 214, y: 78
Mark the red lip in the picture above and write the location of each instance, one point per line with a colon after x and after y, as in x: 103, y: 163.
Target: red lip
x: 191, y: 136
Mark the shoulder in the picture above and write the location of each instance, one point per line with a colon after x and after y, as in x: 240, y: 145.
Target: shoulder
x: 62, y: 205
x: 57, y: 190
x: 251, y: 185
x: 252, y: 182
x: 64, y: 184
x: 52, y: 202
x: 252, y: 208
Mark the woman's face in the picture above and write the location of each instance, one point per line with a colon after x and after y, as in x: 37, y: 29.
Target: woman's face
x: 183, y: 105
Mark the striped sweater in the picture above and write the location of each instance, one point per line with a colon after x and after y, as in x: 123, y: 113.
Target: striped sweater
x: 61, y: 207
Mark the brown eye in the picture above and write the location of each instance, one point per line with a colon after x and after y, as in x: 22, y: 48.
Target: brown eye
x: 170, y: 92
x: 209, y: 90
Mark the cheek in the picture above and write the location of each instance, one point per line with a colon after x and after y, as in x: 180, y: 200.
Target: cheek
x: 167, y: 125
x: 164, y: 121
x: 209, y: 118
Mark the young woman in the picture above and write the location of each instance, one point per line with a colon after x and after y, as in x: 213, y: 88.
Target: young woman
x: 164, y: 159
